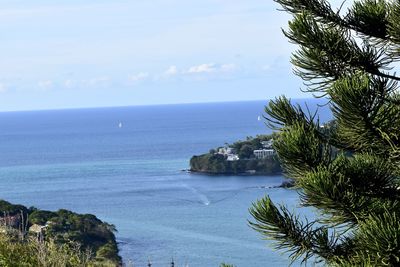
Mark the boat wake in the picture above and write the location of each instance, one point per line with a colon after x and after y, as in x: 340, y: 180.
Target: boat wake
x: 203, y: 199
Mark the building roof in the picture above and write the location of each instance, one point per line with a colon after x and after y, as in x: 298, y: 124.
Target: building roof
x: 36, y: 228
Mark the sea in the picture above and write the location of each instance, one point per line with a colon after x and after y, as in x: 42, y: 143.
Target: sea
x: 126, y: 165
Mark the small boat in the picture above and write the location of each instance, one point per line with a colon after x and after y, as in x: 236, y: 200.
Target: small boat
x: 259, y: 118
x: 120, y: 125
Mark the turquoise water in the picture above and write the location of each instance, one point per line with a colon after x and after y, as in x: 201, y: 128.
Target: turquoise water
x: 131, y: 176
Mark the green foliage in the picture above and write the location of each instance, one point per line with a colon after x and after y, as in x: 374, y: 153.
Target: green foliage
x: 246, y: 152
x: 86, y: 230
x: 252, y: 142
x: 292, y: 233
x: 106, y: 251
x: 41, y: 216
x: 370, y: 17
x: 64, y: 228
x: 300, y: 148
x: 10, y: 209
x: 213, y: 163
x: 217, y: 164
x: 367, y: 120
x: 349, y: 170
x: 30, y: 252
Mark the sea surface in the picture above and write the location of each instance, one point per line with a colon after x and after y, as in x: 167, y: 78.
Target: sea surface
x: 124, y: 165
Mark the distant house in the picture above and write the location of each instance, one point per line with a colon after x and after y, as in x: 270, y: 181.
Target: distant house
x: 37, y: 229
x: 221, y: 150
x: 268, y: 143
x: 232, y: 157
x: 226, y: 150
x: 263, y: 153
x: 229, y: 152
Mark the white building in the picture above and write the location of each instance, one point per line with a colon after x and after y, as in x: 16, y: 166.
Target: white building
x: 37, y: 229
x: 263, y: 153
x: 226, y: 150
x: 229, y: 152
x: 232, y: 157
x: 268, y: 143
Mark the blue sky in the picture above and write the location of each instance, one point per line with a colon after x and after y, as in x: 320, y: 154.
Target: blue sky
x: 75, y: 53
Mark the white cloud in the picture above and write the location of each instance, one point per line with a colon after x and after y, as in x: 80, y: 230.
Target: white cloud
x: 203, y: 68
x: 139, y: 77
x: 171, y: 71
x: 212, y: 68
x: 45, y: 85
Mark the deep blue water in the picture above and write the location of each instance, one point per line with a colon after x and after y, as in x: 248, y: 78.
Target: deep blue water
x: 130, y: 176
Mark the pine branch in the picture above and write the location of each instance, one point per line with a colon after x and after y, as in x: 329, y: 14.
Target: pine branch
x: 281, y: 112
x: 351, y: 189
x: 336, y: 54
x: 364, y: 115
x: 380, y: 234
x: 295, y: 235
x: 370, y: 18
x: 319, y: 9
x: 350, y: 172
x: 358, y: 18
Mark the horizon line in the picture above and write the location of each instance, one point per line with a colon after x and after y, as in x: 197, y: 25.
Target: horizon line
x: 141, y: 105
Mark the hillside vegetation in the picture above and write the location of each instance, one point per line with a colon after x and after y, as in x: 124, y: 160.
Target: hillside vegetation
x: 33, y: 237
x: 216, y: 163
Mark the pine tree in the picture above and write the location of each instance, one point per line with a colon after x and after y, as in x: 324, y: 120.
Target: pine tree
x: 349, y: 173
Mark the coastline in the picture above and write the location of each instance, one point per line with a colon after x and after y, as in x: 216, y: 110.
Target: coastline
x: 195, y: 172
x: 63, y: 227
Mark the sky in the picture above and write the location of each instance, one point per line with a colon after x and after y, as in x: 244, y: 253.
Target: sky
x: 96, y: 53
